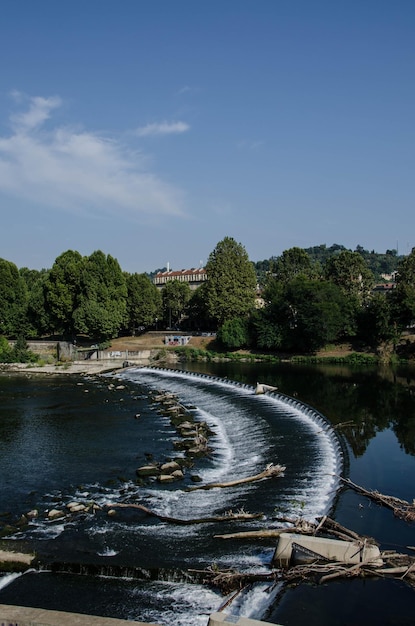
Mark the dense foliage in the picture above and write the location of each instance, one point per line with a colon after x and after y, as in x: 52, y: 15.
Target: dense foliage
x: 231, y: 285
x: 382, y: 265
x: 143, y: 302
x: 309, y: 298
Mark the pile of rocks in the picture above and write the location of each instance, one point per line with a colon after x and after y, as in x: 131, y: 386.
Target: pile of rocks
x: 193, y: 442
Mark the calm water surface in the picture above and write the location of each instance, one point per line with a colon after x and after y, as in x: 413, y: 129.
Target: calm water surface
x: 64, y: 439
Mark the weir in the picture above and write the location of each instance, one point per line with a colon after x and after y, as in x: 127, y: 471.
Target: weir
x: 301, y: 407
x: 121, y: 571
x: 249, y: 432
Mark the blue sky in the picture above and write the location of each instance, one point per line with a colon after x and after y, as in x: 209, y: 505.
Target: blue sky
x: 152, y: 129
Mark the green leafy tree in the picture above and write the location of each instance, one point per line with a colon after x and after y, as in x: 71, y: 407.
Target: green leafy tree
x: 20, y: 352
x: 292, y: 263
x: 376, y: 323
x: 267, y: 331
x: 349, y: 271
x: 231, y: 284
x: 406, y: 270
x: 175, y: 297
x: 38, y: 318
x: 5, y: 351
x: 13, y: 299
x: 198, y: 317
x: 316, y: 314
x: 62, y: 291
x: 403, y: 297
x: 143, y: 301
x: 234, y: 334
x: 102, y: 300
x: 303, y: 316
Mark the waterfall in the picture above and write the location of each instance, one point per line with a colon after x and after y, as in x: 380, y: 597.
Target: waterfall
x: 8, y: 579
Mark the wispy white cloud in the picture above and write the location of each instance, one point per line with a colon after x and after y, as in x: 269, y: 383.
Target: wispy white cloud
x: 39, y: 111
x: 80, y: 171
x: 249, y: 145
x: 162, y: 128
x: 184, y: 89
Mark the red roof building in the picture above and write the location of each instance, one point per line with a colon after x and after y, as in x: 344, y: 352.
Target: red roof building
x: 193, y: 277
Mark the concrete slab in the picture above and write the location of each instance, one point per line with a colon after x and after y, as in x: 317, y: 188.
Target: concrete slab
x: 26, y: 616
x: 218, y: 619
x: 311, y: 548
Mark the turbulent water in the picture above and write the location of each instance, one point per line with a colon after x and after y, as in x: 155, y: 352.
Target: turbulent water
x: 67, y: 440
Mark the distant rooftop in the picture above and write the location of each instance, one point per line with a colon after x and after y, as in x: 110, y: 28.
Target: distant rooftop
x: 194, y: 277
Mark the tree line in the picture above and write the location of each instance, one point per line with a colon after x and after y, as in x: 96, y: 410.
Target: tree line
x: 296, y: 302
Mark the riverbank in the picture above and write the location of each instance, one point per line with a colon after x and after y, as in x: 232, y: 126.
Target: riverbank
x: 75, y: 367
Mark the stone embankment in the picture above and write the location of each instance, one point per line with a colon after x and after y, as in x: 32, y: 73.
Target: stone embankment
x: 74, y: 367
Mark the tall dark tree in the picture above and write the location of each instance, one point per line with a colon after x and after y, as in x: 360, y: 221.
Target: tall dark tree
x: 102, y: 303
x: 376, y: 322
x: 143, y: 302
x: 350, y: 272
x: 38, y: 318
x: 231, y: 284
x: 316, y: 316
x: 303, y: 316
x: 198, y: 317
x: 13, y: 300
x: 406, y: 270
x: 234, y: 333
x: 175, y: 297
x: 403, y: 297
x: 62, y: 291
x: 292, y: 263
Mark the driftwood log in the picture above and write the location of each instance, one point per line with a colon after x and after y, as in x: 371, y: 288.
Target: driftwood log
x: 271, y: 471
x: 229, y: 516
x: 401, y: 508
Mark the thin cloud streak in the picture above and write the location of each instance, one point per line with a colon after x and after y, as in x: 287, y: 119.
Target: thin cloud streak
x: 163, y: 128
x: 79, y: 171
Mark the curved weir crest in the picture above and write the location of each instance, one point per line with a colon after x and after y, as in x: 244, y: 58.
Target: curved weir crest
x: 245, y: 427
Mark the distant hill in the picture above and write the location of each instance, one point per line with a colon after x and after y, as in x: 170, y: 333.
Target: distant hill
x: 378, y: 263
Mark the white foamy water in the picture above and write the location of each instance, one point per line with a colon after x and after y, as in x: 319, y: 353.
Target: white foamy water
x: 241, y: 443
x: 8, y: 579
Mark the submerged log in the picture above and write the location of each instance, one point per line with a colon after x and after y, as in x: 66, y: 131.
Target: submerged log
x: 231, y: 580
x: 271, y: 471
x: 229, y: 516
x: 253, y: 534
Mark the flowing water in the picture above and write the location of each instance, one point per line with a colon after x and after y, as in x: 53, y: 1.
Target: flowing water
x: 64, y: 439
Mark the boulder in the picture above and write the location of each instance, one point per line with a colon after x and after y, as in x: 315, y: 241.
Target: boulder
x: 55, y: 514
x: 178, y: 474
x: 77, y: 508
x: 169, y: 468
x: 147, y: 470
x: 166, y: 478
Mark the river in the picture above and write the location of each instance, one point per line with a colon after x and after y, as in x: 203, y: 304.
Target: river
x: 81, y: 439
